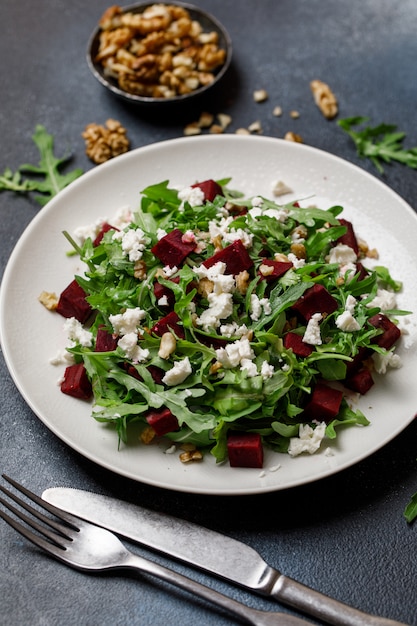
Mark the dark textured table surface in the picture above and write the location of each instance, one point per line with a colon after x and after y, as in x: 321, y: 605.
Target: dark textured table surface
x: 345, y: 535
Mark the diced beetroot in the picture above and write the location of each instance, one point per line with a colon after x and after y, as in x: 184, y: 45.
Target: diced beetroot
x: 297, y: 345
x: 167, y: 323
x: 363, y: 272
x: 210, y: 188
x: 278, y: 269
x: 161, y: 291
x: 76, y: 382
x: 361, y: 382
x: 391, y: 332
x: 245, y: 450
x: 172, y: 249
x: 72, y: 303
x: 352, y: 367
x: 162, y: 421
x: 235, y: 256
x: 349, y: 238
x: 105, y: 227
x: 324, y: 403
x: 316, y: 299
x: 105, y: 341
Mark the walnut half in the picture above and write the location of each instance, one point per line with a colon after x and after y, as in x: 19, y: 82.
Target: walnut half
x: 324, y: 98
x: 105, y: 142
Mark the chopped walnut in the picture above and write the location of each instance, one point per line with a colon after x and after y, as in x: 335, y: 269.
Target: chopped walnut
x: 139, y: 269
x: 49, y: 300
x: 242, y: 282
x: 324, y: 98
x: 280, y: 189
x: 294, y: 114
x: 159, y: 53
x: 277, y: 111
x: 260, y: 95
x: 147, y: 435
x: 167, y: 345
x: 190, y: 454
x: 105, y: 142
x: 255, y: 127
x: 299, y: 250
x: 290, y: 136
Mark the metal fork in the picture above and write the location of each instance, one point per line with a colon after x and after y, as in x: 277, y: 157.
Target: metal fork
x: 89, y: 548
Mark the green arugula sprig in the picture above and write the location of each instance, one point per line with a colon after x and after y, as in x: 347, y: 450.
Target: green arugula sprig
x: 381, y: 144
x: 47, y: 178
x: 410, y: 511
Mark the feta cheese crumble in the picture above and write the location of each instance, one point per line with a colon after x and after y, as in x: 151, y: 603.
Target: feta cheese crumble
x: 178, y: 373
x: 312, y: 334
x: 309, y: 439
x: 127, y: 322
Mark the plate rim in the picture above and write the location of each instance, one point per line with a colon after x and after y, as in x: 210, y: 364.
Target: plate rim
x: 97, y: 172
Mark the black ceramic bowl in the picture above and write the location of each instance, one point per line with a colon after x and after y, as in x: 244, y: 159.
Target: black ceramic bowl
x: 208, y: 24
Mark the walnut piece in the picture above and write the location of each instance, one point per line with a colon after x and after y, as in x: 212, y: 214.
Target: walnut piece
x: 49, y: 300
x: 105, y: 142
x: 324, y: 98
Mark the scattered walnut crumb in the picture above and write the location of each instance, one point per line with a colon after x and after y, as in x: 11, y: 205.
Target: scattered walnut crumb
x: 206, y: 120
x: 324, y: 98
x: 260, y: 95
x: 49, y: 300
x: 294, y: 114
x: 105, y: 142
x: 224, y: 120
x: 216, y: 129
x: 299, y: 250
x: 290, y: 136
x: 147, y: 435
x: 192, y: 129
x: 190, y: 457
x: 277, y: 111
x: 280, y: 189
x: 255, y: 127
x: 242, y: 131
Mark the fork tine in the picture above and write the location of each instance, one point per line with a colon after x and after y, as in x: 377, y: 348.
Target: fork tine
x: 63, y: 530
x: 71, y: 520
x: 58, y: 540
x: 31, y: 536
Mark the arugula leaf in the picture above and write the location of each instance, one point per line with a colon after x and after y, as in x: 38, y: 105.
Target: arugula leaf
x: 410, y: 511
x: 382, y: 143
x: 51, y: 179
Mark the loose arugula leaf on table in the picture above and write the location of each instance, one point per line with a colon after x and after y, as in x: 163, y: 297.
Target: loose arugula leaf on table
x: 48, y: 178
x: 410, y: 511
x: 382, y: 143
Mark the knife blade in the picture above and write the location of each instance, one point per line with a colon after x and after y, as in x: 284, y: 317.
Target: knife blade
x: 207, y: 550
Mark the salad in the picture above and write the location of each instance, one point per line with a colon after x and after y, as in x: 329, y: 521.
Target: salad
x: 228, y: 324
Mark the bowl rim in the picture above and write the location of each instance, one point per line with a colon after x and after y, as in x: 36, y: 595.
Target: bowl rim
x: 135, y: 98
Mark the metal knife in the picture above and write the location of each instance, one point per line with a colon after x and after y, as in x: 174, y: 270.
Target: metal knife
x: 207, y: 550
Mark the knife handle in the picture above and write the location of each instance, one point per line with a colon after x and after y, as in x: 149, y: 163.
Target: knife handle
x: 327, y: 609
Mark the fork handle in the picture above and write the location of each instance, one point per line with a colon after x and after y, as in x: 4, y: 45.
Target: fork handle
x: 245, y: 613
x: 325, y: 608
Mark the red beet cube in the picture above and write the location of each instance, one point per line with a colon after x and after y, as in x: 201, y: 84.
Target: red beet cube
x: 316, y: 299
x: 172, y: 249
x: 162, y: 421
x: 235, y: 257
x: 324, y: 403
x: 352, y: 367
x: 72, y: 303
x: 76, y: 382
x: 297, y: 345
x: 105, y: 227
x: 361, y: 382
x: 391, y: 333
x: 167, y: 323
x: 245, y: 450
x: 210, y: 188
x: 349, y: 238
x: 105, y: 341
x: 278, y: 269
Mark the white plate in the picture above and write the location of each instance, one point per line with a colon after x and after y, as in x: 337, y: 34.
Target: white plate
x: 31, y: 335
